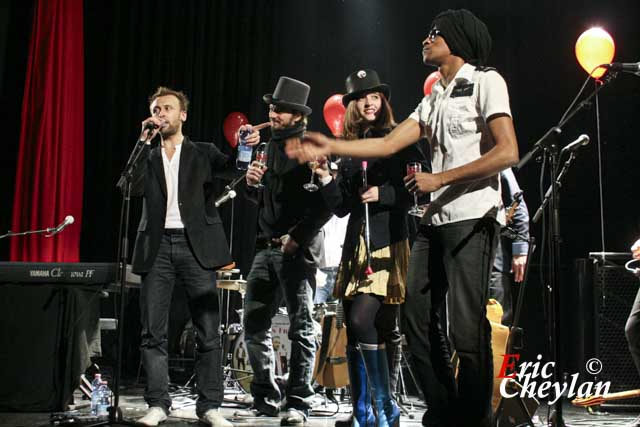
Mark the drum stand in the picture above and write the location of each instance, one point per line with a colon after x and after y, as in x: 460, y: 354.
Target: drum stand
x: 231, y: 384
x: 400, y: 394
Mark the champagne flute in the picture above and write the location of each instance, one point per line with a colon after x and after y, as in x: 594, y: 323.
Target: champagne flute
x: 261, y: 160
x: 311, y: 186
x: 413, y: 168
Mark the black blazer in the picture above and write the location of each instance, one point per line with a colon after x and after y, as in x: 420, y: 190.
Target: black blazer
x: 199, y: 163
x: 388, y: 216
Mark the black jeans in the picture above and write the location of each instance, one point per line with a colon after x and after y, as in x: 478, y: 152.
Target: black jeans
x: 176, y: 264
x: 273, y: 276
x: 451, y: 264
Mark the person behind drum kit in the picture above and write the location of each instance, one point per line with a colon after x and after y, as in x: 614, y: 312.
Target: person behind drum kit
x: 513, y: 245
x: 333, y: 233
x: 373, y: 349
x: 241, y: 355
x: 467, y: 120
x: 289, y: 247
x: 632, y: 327
x: 180, y: 240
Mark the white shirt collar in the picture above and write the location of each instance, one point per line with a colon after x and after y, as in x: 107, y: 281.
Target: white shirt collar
x: 464, y: 73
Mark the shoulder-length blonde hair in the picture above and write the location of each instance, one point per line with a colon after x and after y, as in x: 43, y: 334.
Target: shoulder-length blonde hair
x: 354, y: 124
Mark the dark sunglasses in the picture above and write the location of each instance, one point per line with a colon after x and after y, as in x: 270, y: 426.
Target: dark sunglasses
x: 433, y: 33
x: 278, y: 109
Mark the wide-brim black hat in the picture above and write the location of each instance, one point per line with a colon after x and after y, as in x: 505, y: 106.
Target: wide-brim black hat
x: 290, y: 93
x: 362, y: 82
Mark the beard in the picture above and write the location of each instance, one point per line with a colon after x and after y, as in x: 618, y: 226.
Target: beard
x: 169, y: 130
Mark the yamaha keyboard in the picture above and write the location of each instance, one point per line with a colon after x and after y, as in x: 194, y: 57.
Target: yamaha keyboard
x: 82, y: 273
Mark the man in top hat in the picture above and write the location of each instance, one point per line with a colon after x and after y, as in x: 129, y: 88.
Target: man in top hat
x: 289, y: 248
x: 467, y: 120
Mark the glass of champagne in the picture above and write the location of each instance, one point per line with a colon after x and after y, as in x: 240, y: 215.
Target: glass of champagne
x: 413, y: 168
x: 261, y: 161
x: 312, y: 186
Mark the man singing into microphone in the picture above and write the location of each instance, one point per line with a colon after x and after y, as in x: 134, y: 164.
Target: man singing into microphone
x: 289, y: 247
x: 180, y: 240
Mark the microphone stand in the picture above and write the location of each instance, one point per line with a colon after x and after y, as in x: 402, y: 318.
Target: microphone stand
x: 558, y: 183
x: 552, y: 200
x: 228, y: 189
x: 124, y: 184
x: 51, y: 231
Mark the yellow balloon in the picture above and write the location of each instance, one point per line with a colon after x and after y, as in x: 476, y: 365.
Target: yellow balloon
x: 595, y: 47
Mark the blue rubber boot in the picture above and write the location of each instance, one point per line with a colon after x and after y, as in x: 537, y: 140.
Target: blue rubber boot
x: 375, y: 360
x: 362, y: 410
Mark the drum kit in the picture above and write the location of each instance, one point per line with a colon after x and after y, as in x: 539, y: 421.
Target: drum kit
x: 237, y: 369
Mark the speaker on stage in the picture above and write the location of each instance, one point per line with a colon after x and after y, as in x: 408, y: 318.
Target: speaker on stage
x: 607, y: 291
x: 44, y: 340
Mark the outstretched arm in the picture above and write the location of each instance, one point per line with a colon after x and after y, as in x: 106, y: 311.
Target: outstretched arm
x: 316, y: 144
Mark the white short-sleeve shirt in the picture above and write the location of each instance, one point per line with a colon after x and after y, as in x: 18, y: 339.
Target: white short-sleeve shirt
x: 454, y: 120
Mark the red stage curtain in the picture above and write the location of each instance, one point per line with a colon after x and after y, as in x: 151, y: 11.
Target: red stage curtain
x: 49, y: 176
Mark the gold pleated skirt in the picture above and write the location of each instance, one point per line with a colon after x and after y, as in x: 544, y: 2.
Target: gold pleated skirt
x: 389, y: 276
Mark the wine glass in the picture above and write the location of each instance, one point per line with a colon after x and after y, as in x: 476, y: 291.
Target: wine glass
x: 311, y: 186
x: 413, y: 168
x: 261, y: 160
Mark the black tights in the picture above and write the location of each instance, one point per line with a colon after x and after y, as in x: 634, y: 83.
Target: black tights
x: 369, y: 320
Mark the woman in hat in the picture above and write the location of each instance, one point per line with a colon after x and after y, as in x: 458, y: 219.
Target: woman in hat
x: 371, y: 281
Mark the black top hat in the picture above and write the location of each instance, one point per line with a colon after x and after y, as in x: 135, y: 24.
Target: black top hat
x: 290, y: 93
x: 362, y: 82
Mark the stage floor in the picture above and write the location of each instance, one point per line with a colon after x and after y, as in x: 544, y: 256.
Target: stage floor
x: 324, y: 414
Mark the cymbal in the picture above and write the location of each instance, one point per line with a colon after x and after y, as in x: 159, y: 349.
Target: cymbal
x: 226, y: 274
x: 232, y: 285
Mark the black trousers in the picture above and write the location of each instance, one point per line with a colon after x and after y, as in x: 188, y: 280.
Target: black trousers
x: 451, y: 264
x: 176, y: 264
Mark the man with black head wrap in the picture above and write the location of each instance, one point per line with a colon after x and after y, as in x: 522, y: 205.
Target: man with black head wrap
x: 467, y: 120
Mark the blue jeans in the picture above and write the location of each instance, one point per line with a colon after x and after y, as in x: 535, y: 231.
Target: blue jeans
x: 325, y: 293
x: 273, y: 276
x: 451, y: 264
x: 175, y: 263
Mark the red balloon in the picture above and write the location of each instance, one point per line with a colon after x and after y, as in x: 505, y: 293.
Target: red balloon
x: 334, y: 114
x: 230, y: 126
x: 430, y: 81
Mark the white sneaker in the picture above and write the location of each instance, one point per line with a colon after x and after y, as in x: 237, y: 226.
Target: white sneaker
x: 213, y: 418
x: 154, y: 416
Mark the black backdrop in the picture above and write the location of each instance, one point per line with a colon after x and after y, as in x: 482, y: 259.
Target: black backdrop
x: 227, y: 54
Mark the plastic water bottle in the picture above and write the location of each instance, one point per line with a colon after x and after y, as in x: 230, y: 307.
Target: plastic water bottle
x: 95, y: 396
x: 104, y: 400
x: 244, y: 151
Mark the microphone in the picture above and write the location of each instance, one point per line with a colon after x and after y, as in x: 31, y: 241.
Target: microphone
x: 581, y: 141
x: 68, y: 220
x: 153, y: 126
x: 625, y: 67
x: 229, y: 194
